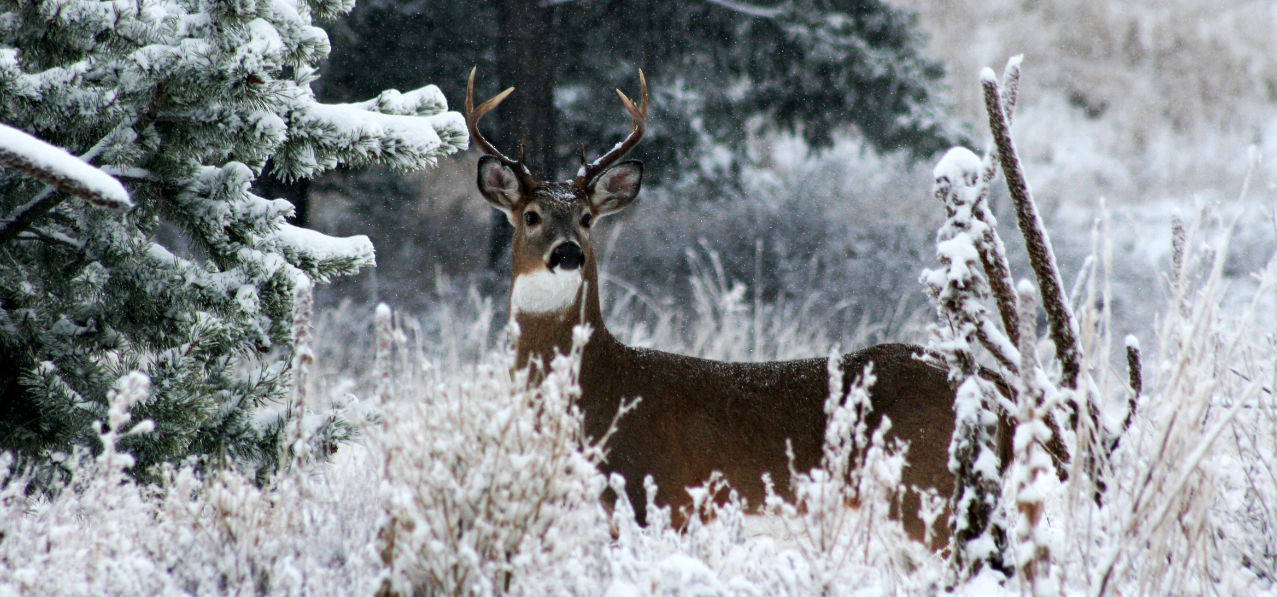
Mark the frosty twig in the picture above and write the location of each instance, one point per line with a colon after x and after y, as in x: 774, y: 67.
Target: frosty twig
x: 1034, y: 431
x: 993, y: 254
x: 1041, y: 257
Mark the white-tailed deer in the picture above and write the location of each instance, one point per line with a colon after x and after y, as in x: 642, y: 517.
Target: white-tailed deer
x: 696, y: 416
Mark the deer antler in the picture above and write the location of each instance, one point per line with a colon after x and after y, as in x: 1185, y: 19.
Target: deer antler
x: 590, y: 171
x: 473, y: 115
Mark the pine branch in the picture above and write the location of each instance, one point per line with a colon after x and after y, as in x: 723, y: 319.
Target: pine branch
x: 27, y: 215
x: 61, y: 171
x: 52, y: 238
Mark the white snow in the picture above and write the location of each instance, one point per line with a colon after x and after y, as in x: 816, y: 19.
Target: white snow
x: 545, y: 291
x: 959, y: 165
x: 55, y: 166
x: 321, y: 247
x: 427, y: 101
x: 354, y: 134
x: 376, y: 131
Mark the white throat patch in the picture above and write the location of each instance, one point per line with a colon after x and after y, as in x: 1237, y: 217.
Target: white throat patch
x: 545, y: 291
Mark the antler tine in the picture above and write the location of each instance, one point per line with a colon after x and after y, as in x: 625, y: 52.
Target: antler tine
x: 473, y: 115
x: 589, y: 172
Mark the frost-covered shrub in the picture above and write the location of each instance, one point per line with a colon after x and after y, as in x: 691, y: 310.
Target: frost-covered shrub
x: 484, y: 486
x: 489, y: 485
x: 1181, y: 516
x: 101, y: 533
x: 1182, y: 512
x: 834, y: 539
x: 184, y: 103
x: 839, y: 521
x: 1140, y: 513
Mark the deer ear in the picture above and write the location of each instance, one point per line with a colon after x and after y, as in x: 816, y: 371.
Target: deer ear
x: 499, y: 184
x: 616, y: 188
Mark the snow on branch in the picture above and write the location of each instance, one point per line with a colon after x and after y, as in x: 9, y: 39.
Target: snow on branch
x: 964, y: 240
x: 761, y: 12
x: 324, y: 256
x: 427, y: 101
x: 58, y: 168
x: 404, y: 131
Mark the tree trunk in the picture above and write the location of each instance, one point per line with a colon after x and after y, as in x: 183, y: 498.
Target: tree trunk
x: 526, y: 61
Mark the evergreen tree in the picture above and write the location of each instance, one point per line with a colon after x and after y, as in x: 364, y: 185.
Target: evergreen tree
x: 183, y: 101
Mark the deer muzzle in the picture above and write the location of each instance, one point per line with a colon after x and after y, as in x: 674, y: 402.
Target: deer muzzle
x: 567, y: 255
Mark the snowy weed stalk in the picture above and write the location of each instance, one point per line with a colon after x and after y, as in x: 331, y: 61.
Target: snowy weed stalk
x: 958, y: 290
x: 296, y: 445
x: 1032, y: 466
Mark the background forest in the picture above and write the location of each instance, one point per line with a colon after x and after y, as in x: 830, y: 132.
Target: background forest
x: 1148, y: 105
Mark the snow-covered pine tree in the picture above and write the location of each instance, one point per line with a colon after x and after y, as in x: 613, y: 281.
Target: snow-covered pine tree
x: 183, y: 101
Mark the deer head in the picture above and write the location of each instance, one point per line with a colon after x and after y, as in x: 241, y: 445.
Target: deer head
x: 552, y: 252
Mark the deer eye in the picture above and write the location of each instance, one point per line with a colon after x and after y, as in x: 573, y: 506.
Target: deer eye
x: 531, y: 218
x: 585, y: 220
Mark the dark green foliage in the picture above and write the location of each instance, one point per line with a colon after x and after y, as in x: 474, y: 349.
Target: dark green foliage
x: 719, y: 71
x: 184, y: 102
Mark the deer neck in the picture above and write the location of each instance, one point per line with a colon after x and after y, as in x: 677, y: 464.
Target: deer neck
x: 545, y: 334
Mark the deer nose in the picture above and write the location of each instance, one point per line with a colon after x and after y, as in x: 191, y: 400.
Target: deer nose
x: 567, y: 255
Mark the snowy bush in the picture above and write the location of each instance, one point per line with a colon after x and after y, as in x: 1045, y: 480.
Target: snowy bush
x: 187, y: 276
x: 839, y: 521
x: 1182, y: 508
x: 488, y: 483
x: 1109, y: 527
